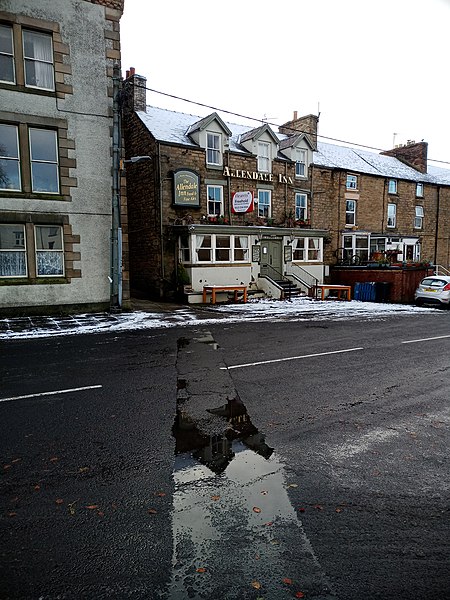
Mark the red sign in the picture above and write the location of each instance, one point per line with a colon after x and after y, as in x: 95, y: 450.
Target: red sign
x: 242, y: 202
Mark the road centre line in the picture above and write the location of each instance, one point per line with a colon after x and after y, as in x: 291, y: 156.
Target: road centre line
x: 277, y: 360
x: 80, y: 389
x: 438, y: 337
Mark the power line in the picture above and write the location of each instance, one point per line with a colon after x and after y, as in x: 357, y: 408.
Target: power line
x: 229, y: 112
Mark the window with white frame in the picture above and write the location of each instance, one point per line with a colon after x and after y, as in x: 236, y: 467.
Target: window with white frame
x: 307, y: 250
x: 264, y: 203
x: 391, y: 215
x: 392, y: 186
x: 27, y: 60
x: 38, y: 60
x: 418, y: 219
x: 9, y: 158
x: 419, y: 190
x: 13, y: 260
x: 352, y: 182
x: 300, y: 163
x: 355, y: 248
x: 185, y: 249
x: 264, y: 157
x: 216, y: 248
x: 215, y: 200
x: 49, y: 251
x: 44, y: 160
x: 7, y: 70
x: 301, y: 206
x: 213, y: 149
x: 350, y: 212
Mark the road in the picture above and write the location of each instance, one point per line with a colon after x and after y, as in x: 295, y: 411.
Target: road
x: 260, y: 460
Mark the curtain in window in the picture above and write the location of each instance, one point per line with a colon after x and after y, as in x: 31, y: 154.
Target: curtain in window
x: 12, y: 264
x: 38, y: 53
x: 49, y: 263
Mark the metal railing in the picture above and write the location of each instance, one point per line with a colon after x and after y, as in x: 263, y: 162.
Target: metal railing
x: 307, y: 279
x: 440, y: 270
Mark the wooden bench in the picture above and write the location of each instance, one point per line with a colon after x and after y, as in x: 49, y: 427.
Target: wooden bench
x: 213, y: 289
x: 340, y: 289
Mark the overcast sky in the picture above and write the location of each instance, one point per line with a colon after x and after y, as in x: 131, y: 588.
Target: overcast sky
x: 373, y: 68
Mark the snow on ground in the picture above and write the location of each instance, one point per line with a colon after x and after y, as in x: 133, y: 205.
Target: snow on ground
x: 299, y: 309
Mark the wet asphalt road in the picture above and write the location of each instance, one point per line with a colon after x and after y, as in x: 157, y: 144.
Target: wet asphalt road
x: 194, y: 473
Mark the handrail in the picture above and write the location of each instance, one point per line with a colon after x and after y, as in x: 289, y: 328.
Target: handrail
x: 441, y: 268
x: 313, y: 281
x: 280, y: 277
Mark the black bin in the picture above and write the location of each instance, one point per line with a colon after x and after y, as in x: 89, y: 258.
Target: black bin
x: 382, y: 291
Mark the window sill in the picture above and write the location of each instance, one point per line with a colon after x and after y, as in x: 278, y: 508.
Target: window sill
x: 23, y: 89
x: 32, y: 195
x: 33, y: 281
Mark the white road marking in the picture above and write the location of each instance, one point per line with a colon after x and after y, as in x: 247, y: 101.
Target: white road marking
x: 80, y: 389
x: 277, y: 360
x: 438, y: 337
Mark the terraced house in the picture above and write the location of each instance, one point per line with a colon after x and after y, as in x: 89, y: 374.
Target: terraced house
x: 56, y: 179
x: 218, y: 204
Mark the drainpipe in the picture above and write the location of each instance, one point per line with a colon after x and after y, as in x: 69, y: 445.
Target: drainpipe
x: 116, y: 230
x: 161, y: 227
x: 383, y: 216
x: 230, y: 212
x: 438, y: 208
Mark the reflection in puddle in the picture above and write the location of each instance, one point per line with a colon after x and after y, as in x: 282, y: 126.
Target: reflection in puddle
x: 230, y: 509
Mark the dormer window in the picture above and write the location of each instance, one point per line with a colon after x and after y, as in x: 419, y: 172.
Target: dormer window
x: 392, y: 186
x: 264, y: 157
x: 213, y: 149
x: 300, y: 163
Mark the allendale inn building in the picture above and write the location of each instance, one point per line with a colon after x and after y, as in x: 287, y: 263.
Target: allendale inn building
x: 213, y: 203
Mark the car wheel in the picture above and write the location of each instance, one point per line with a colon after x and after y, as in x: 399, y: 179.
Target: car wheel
x: 419, y: 302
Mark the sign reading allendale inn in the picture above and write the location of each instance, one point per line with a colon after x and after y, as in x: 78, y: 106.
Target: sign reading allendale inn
x: 255, y: 175
x: 186, y: 187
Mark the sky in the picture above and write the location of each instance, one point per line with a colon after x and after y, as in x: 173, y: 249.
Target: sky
x: 375, y: 70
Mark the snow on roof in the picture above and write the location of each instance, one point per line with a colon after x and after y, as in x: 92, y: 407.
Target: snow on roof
x: 172, y: 127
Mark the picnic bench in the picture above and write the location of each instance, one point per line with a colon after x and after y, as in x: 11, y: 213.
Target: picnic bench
x: 213, y: 289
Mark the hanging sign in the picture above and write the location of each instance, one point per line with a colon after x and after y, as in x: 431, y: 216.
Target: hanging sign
x: 242, y: 202
x: 186, y: 188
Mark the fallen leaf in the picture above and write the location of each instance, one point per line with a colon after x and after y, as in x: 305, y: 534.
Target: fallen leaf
x: 92, y: 506
x: 256, y: 509
x: 160, y: 494
x: 7, y: 467
x: 338, y: 510
x: 256, y: 585
x: 71, y: 507
x: 318, y: 507
x: 269, y: 523
x: 152, y: 511
x: 299, y: 595
x: 301, y: 509
x: 100, y: 513
x: 215, y: 498
x: 292, y: 485
x: 201, y: 570
x: 37, y: 487
x: 15, y: 499
x: 83, y: 469
x: 287, y: 580
x: 16, y: 460
x: 53, y: 459
x: 12, y: 514
x: 59, y: 501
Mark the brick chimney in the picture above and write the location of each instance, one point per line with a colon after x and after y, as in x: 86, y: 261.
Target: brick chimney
x: 135, y: 92
x: 307, y: 124
x: 414, y: 155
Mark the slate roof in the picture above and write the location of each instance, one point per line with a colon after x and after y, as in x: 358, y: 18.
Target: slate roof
x: 172, y: 127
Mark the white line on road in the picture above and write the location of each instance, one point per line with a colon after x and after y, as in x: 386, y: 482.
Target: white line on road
x: 438, y: 337
x: 80, y: 389
x: 277, y: 360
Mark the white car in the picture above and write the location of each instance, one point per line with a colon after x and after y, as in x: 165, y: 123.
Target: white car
x: 434, y: 289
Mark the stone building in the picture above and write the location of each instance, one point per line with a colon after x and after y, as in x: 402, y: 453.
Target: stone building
x: 216, y: 203
x: 56, y: 147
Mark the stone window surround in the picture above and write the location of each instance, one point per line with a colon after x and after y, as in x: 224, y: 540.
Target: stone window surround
x: 23, y: 122
x: 69, y: 239
x: 61, y: 54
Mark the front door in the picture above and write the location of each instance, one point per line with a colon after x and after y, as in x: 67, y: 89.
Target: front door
x: 271, y: 259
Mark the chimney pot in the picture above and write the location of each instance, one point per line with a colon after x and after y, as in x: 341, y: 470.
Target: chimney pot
x: 295, y: 115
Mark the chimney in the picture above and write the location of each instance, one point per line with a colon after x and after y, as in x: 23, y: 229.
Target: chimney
x: 136, y: 96
x: 307, y: 124
x: 414, y: 155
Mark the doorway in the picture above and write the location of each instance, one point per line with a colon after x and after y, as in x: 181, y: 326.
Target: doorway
x: 271, y: 258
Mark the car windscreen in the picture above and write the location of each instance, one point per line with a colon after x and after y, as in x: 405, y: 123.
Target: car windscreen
x: 432, y: 281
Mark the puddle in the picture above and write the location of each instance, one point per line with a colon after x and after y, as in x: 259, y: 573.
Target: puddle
x: 236, y: 534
